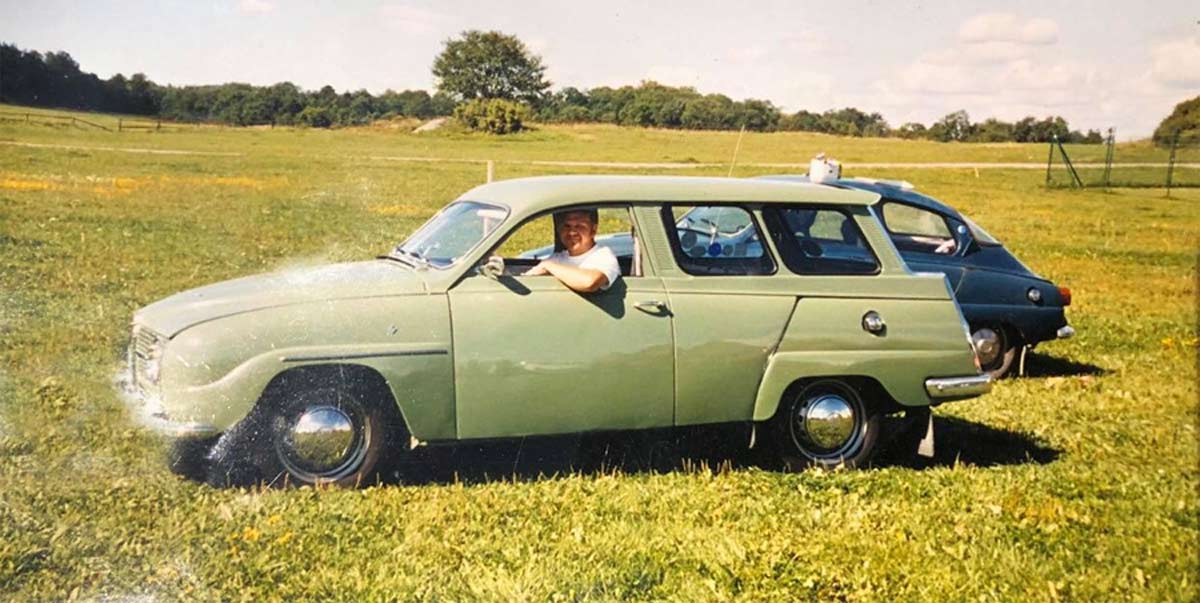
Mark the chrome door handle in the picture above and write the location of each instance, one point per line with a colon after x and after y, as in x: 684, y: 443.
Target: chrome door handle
x: 652, y: 306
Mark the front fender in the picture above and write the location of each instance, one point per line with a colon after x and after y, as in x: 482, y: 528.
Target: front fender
x: 215, y: 372
x: 418, y: 375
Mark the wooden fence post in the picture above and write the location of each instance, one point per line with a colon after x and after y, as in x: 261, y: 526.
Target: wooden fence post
x: 1171, y: 162
x: 118, y: 124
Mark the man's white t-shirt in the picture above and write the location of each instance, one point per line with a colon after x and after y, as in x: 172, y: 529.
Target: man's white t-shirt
x: 597, y: 258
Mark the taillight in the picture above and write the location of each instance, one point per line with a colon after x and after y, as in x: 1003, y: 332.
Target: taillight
x: 1065, y: 294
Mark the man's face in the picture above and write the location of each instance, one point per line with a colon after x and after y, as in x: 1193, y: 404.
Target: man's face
x: 577, y: 232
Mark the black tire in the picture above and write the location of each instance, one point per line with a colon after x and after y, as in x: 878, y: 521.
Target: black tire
x: 263, y: 448
x: 997, y: 348
x: 799, y: 449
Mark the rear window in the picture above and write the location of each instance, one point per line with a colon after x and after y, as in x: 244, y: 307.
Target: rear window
x: 820, y: 241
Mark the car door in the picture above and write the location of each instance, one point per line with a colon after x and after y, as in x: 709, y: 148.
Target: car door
x: 726, y: 324
x: 534, y: 357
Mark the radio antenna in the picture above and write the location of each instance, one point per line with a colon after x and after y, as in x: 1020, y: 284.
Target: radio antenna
x: 737, y: 148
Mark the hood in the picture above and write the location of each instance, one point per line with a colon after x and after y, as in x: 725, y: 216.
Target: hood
x: 376, y: 278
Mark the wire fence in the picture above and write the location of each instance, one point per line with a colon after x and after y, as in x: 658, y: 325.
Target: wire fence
x: 96, y: 122
x: 1171, y: 166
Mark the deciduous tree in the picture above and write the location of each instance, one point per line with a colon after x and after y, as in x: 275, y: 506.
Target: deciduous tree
x: 490, y: 64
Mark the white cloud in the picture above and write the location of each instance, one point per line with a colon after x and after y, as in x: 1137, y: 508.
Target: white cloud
x: 1008, y: 27
x: 417, y: 21
x: 255, y: 7
x: 1176, y: 63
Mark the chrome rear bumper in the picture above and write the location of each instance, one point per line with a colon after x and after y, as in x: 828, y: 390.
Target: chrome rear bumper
x: 946, y: 388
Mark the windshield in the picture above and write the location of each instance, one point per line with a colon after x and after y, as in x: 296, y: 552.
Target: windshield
x: 451, y: 233
x: 981, y: 235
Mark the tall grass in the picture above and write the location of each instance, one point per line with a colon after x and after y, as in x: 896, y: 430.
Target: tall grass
x: 1077, y: 482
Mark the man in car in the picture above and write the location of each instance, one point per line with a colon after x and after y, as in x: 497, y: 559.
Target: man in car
x: 582, y: 265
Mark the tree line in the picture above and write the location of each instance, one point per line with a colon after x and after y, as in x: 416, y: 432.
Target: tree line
x: 54, y: 79
x: 466, y: 73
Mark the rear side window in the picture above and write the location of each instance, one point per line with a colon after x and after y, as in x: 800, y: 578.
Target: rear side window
x: 820, y: 241
x: 716, y: 240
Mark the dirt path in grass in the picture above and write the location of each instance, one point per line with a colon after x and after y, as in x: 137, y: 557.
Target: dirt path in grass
x: 624, y: 164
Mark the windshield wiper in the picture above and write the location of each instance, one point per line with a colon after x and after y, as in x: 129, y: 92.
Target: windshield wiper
x: 408, y: 257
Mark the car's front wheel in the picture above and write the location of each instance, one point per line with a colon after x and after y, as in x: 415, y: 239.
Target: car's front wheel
x: 996, y: 349
x: 826, y: 423
x: 312, y: 432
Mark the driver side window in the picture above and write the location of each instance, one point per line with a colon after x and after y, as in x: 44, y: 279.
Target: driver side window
x: 915, y: 229
x: 536, y: 240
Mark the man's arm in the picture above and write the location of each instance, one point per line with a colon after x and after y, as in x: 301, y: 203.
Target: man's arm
x: 582, y: 280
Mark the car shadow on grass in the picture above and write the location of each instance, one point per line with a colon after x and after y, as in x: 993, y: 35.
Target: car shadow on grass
x: 696, y: 449
x: 1041, y: 365
x: 962, y: 442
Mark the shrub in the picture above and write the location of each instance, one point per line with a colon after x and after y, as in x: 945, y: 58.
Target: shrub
x: 494, y: 116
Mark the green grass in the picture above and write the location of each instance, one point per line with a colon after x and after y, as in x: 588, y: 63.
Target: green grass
x: 1078, y: 483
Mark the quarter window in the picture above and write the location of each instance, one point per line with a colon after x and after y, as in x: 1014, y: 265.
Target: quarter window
x: 820, y: 241
x: 711, y: 240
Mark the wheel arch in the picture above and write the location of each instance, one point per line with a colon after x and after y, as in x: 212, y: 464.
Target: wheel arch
x: 872, y: 391
x: 359, y: 377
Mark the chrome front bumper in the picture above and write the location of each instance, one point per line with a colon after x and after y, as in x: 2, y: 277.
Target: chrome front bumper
x: 148, y: 412
x: 1066, y: 332
x: 950, y: 388
x: 161, y: 424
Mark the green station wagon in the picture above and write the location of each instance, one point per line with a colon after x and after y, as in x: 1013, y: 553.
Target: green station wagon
x: 781, y: 306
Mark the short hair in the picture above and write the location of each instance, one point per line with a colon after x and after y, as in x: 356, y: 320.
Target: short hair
x: 592, y: 213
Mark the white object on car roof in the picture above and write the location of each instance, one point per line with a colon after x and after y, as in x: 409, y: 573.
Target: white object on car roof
x: 822, y: 169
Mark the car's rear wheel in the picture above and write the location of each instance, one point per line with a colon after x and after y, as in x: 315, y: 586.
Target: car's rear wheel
x: 996, y: 348
x: 313, y: 432
x: 826, y: 423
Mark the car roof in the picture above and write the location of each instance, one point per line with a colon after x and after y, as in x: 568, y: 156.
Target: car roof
x: 883, y: 188
x: 546, y: 192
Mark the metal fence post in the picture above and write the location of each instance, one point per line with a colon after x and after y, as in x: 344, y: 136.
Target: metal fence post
x: 1049, y: 162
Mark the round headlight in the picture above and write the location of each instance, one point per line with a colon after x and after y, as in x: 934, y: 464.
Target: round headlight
x: 1034, y: 295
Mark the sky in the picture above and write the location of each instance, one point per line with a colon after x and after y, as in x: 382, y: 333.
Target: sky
x: 1099, y: 64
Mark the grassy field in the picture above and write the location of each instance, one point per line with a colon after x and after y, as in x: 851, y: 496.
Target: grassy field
x: 1076, y: 483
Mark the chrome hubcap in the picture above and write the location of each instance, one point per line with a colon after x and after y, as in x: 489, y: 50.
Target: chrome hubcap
x: 988, y: 345
x: 828, y: 421
x: 324, y: 443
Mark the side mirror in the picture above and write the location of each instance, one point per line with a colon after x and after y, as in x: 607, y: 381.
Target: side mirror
x: 493, y: 268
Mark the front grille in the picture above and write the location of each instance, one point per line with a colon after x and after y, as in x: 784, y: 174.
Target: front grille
x: 144, y: 344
